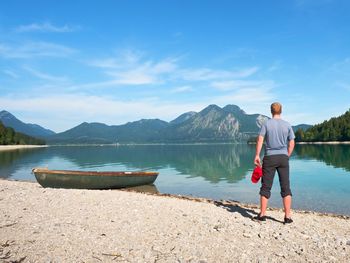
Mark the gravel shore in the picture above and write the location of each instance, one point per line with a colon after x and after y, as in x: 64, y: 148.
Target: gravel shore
x: 59, y: 225
x: 18, y: 147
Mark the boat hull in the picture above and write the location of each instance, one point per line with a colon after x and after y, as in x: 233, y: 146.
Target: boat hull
x: 92, y: 180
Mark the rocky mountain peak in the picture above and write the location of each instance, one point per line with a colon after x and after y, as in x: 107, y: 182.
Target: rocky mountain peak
x: 210, y: 108
x: 233, y: 109
x: 6, y: 114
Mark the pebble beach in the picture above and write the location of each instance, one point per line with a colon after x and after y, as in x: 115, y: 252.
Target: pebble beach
x: 63, y: 225
x: 19, y: 147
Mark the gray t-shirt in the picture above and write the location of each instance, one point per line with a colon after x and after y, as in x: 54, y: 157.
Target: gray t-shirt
x: 277, y: 134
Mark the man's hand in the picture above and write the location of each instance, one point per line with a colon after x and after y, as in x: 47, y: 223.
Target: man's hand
x: 257, y: 160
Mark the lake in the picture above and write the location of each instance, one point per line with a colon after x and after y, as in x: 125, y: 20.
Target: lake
x: 320, y: 174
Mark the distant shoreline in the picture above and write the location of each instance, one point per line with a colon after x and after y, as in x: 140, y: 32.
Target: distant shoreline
x: 17, y: 147
x: 332, y: 142
x: 151, y: 144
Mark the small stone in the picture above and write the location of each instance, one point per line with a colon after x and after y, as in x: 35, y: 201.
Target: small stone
x: 348, y: 242
x: 247, y: 235
x: 305, y: 236
x: 331, y: 258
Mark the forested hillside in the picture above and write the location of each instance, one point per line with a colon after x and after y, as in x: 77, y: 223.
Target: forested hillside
x: 8, y: 136
x: 335, y: 129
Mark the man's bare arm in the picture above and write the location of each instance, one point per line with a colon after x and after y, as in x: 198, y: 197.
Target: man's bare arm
x: 291, y: 145
x: 259, y: 144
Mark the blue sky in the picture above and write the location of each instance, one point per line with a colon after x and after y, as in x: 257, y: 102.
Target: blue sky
x: 66, y: 62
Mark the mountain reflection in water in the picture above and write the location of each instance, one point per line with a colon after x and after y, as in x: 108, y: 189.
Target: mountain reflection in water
x: 212, y: 162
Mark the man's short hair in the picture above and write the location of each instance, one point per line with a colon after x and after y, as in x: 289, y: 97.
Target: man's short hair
x: 276, y: 108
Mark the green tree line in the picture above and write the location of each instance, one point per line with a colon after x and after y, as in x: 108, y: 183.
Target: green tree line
x: 8, y: 136
x: 335, y: 129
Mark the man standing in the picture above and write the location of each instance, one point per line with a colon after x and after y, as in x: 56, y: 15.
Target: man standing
x: 279, y: 145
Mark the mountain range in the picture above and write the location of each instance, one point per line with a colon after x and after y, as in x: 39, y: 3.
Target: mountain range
x: 212, y: 124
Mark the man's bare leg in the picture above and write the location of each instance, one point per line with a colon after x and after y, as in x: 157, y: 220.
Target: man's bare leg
x: 287, y: 203
x: 263, y: 205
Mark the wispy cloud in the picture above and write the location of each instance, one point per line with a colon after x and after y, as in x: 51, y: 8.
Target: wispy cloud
x: 182, y: 89
x: 94, y: 85
x: 44, y: 76
x: 108, y: 63
x: 125, y: 59
x: 204, y: 74
x: 10, y: 73
x: 145, y: 73
x: 131, y: 69
x: 139, y: 76
x: 46, y: 28
x: 242, y: 84
x: 35, y: 49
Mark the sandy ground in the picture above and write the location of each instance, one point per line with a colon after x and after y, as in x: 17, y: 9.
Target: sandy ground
x: 56, y: 225
x: 16, y: 147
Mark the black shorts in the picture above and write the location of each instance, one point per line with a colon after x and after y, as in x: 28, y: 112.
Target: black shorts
x: 271, y: 163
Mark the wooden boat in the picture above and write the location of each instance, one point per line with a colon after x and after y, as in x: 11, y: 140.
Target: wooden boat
x: 91, y: 179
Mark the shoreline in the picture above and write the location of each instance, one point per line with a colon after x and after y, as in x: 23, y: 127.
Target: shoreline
x: 332, y: 142
x: 200, y: 199
x: 153, y: 144
x: 18, y: 147
x: 43, y: 224
x: 236, y: 203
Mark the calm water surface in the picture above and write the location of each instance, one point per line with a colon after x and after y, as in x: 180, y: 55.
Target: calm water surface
x: 320, y: 174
